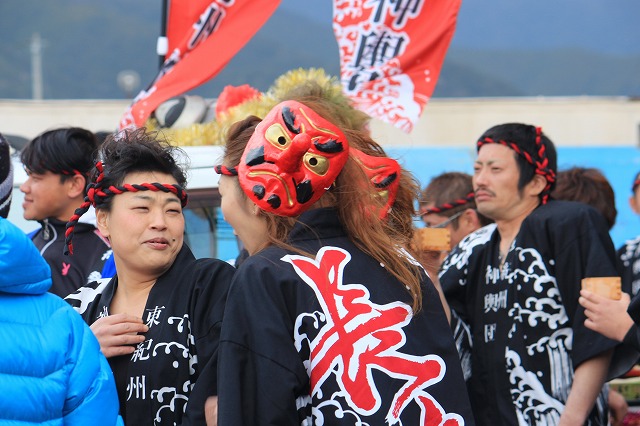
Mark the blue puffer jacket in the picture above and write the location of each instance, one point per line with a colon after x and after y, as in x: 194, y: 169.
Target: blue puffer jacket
x: 51, y: 368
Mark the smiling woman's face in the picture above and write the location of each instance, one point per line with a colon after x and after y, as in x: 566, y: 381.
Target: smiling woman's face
x: 145, y: 228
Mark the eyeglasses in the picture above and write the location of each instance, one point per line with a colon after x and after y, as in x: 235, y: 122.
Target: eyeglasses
x: 446, y: 222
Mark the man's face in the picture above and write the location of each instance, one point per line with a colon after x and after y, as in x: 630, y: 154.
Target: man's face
x: 495, y: 182
x: 45, y: 196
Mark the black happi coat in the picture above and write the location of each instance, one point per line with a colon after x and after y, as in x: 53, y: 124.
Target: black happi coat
x: 70, y: 272
x: 629, y: 265
x: 527, y: 328
x: 178, y: 360
x: 332, y: 340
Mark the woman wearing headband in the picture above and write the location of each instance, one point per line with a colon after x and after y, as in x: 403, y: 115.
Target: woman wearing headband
x: 330, y: 320
x: 158, y: 319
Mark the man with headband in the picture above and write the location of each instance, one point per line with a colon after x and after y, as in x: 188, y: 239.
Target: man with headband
x: 448, y: 202
x: 516, y: 285
x: 329, y: 320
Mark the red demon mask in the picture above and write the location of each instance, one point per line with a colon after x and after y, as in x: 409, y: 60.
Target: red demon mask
x: 384, y: 175
x: 292, y: 158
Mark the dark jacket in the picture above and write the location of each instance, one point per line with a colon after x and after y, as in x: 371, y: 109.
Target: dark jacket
x: 333, y: 340
x: 70, y: 272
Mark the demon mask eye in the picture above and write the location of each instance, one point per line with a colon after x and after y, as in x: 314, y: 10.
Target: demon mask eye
x: 277, y: 136
x: 316, y: 164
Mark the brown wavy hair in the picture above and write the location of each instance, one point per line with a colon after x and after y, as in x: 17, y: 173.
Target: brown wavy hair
x: 354, y: 199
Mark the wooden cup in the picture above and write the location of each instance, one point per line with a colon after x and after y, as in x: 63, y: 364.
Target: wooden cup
x: 432, y: 239
x: 609, y: 287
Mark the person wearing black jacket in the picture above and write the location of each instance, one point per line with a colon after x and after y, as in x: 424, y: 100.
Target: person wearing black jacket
x: 330, y: 320
x: 515, y: 286
x: 57, y: 163
x: 158, y: 319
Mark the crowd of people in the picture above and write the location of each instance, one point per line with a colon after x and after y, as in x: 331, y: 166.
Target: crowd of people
x: 334, y: 315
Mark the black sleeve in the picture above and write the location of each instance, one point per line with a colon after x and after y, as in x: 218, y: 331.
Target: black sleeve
x: 583, y: 249
x: 634, y: 309
x: 626, y: 354
x: 632, y: 338
x: 458, y: 290
x: 213, y: 278
x: 628, y: 257
x: 453, y: 280
x: 255, y: 390
x: 260, y: 372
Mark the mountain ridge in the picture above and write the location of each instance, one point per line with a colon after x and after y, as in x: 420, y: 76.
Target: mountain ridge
x: 87, y: 43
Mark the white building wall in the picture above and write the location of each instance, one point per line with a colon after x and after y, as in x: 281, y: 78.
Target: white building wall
x: 29, y: 118
x: 571, y: 121
x: 568, y: 121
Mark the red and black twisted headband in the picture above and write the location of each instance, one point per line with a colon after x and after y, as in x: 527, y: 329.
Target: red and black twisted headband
x: 97, y: 196
x: 72, y: 172
x: 227, y: 171
x: 541, y: 163
x: 448, y: 205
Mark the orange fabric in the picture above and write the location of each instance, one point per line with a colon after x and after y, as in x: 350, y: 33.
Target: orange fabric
x: 222, y: 29
x: 391, y: 54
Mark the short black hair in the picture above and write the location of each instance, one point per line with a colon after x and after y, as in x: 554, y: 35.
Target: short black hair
x: 138, y: 150
x: 524, y: 137
x: 61, y: 151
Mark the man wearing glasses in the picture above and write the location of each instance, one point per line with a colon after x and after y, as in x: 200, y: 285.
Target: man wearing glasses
x: 447, y: 202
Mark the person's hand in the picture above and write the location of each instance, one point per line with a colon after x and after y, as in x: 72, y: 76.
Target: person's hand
x: 118, y: 334
x: 606, y: 316
x: 618, y: 407
x: 211, y: 411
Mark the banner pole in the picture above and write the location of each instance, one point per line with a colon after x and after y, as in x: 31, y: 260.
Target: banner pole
x: 163, y: 42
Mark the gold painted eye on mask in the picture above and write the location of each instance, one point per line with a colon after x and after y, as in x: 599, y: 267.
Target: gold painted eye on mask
x: 277, y: 136
x: 316, y: 163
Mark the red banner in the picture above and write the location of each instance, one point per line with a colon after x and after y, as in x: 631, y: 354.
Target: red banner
x: 220, y: 30
x: 391, y: 52
x: 181, y: 16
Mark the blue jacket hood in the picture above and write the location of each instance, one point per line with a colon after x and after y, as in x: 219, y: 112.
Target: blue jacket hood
x: 22, y: 269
